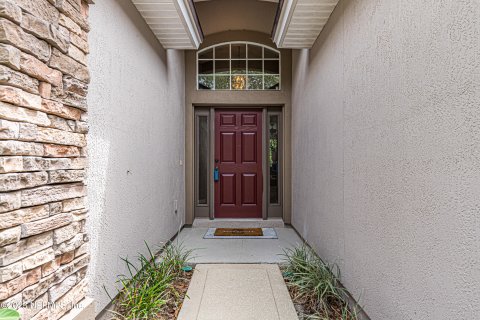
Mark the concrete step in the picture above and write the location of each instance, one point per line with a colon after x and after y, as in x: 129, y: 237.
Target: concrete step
x: 238, y: 223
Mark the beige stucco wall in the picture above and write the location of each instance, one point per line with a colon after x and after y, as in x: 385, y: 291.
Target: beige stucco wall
x: 209, y: 98
x: 386, y: 157
x: 136, y: 116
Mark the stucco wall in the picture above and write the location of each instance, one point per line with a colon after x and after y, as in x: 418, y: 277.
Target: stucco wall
x: 386, y: 157
x: 136, y: 116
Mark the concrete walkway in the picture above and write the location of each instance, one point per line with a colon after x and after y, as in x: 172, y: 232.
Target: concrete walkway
x: 237, y: 250
x: 237, y: 292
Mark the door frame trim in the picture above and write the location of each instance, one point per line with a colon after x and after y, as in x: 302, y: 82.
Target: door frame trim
x: 266, y: 110
x: 211, y: 214
x: 264, y: 165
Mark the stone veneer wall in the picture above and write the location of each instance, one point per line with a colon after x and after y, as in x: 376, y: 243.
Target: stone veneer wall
x: 43, y: 87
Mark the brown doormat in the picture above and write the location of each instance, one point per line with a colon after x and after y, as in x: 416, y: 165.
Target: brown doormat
x: 238, y: 232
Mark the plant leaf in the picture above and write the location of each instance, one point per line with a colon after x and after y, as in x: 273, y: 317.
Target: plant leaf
x: 9, y: 314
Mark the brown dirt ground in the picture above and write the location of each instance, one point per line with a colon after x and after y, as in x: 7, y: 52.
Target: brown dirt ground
x: 178, y: 293
x: 304, y: 306
x: 172, y: 308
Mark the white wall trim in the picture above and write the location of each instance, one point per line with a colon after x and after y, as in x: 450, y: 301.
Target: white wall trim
x: 174, y: 22
x: 188, y: 18
x: 286, y: 13
x: 301, y: 21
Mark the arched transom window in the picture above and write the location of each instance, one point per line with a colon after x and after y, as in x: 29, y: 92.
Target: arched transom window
x: 238, y: 66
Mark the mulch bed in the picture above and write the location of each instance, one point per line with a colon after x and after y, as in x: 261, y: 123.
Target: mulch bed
x: 172, y: 308
x: 178, y: 293
x: 304, y: 307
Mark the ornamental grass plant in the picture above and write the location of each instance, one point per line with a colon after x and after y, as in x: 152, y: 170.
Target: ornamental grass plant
x: 315, y: 287
x: 154, y: 286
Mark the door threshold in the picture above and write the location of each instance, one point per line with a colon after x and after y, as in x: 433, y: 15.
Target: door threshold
x: 238, y: 223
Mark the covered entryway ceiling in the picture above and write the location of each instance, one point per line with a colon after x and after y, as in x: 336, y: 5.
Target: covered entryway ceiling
x: 226, y: 15
x: 174, y: 22
x: 299, y: 22
x: 178, y: 24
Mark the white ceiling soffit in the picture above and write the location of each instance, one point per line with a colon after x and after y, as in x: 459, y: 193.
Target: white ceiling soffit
x: 299, y: 22
x: 174, y: 22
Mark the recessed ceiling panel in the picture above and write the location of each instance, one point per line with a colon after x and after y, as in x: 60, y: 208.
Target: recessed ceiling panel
x: 174, y: 22
x: 226, y: 15
x: 299, y: 22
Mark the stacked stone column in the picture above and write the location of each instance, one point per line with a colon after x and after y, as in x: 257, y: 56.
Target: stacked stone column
x: 43, y: 112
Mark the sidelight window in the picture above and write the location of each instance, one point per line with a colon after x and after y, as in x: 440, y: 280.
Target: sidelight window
x: 238, y: 66
x: 274, y: 163
x: 202, y: 146
x: 273, y: 158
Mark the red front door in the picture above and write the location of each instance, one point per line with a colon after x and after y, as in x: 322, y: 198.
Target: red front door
x: 238, y: 160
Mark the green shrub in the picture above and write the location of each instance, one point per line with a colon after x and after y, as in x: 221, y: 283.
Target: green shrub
x: 9, y: 314
x: 316, y: 284
x: 146, y: 289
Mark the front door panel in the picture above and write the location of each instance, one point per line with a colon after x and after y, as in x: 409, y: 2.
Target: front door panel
x: 238, y: 158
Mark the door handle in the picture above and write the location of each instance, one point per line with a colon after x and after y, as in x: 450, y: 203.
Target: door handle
x: 215, y: 174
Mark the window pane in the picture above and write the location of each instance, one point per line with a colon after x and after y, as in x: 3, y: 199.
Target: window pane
x: 205, y: 82
x: 255, y: 67
x: 239, y: 82
x: 239, y: 51
x: 255, y: 82
x: 270, y: 54
x: 222, y: 82
x: 272, y: 66
x: 222, y: 52
x: 202, y: 159
x: 205, y: 67
x: 239, y: 66
x: 222, y: 67
x: 272, y: 82
x: 273, y: 159
x: 239, y: 61
x: 254, y: 52
x: 206, y: 54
